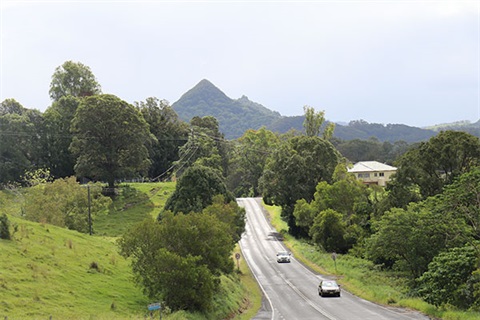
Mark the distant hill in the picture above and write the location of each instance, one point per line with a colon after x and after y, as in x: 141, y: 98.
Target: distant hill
x: 467, y: 126
x: 235, y: 116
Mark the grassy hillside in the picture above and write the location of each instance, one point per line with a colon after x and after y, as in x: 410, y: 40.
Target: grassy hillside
x: 47, y: 271
x: 50, y: 271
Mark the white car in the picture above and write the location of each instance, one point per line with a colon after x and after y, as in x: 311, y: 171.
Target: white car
x: 328, y: 288
x: 283, y: 256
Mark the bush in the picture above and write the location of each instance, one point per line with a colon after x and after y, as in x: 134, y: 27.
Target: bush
x: 4, y: 227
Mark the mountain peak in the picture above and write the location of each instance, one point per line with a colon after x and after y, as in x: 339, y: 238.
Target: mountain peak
x: 205, y: 83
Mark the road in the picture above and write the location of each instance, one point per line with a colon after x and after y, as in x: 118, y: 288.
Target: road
x: 290, y: 289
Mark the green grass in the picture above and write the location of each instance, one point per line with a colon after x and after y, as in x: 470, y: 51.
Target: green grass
x: 50, y: 271
x: 361, y: 277
x: 134, y: 203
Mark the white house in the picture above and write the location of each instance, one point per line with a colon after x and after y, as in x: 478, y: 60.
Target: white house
x: 372, y: 172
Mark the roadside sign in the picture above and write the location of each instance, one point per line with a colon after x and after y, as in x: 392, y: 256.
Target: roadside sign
x: 154, y: 306
x: 237, y: 255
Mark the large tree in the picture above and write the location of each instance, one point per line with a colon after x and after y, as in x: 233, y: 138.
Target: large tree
x: 73, y: 79
x: 21, y: 132
x: 109, y: 139
x: 58, y: 137
x: 170, y: 131
x: 248, y: 160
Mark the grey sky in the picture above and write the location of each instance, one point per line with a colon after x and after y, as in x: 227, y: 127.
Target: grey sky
x: 409, y: 62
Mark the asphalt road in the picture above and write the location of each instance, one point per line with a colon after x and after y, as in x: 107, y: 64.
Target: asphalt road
x: 290, y: 289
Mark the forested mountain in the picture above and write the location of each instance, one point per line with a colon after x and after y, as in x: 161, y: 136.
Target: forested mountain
x: 235, y: 116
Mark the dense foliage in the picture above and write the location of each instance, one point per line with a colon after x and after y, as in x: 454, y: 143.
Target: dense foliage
x: 293, y: 171
x: 73, y: 79
x: 196, y: 189
x: 109, y: 139
x: 179, y: 259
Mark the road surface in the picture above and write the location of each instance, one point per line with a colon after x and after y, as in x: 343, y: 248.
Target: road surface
x: 290, y: 289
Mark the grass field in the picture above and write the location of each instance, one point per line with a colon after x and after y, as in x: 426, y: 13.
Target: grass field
x: 47, y: 271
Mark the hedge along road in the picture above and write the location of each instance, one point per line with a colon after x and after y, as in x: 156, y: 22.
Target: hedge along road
x: 290, y: 289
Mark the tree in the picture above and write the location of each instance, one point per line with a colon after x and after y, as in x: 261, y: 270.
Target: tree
x: 109, y: 138
x: 21, y: 146
x: 432, y: 165
x: 294, y: 170
x: 170, y: 131
x: 462, y: 199
x: 11, y: 106
x: 328, y: 231
x: 206, y: 146
x: 411, y: 238
x: 196, y: 189
x: 73, y: 79
x: 313, y: 123
x: 349, y: 199
x: 248, y: 160
x: 446, y: 280
x: 180, y: 258
x: 58, y: 137
x: 229, y: 213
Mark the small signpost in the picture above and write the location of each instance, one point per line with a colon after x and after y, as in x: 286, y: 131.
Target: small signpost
x: 237, y: 256
x: 155, y: 306
x: 334, y: 258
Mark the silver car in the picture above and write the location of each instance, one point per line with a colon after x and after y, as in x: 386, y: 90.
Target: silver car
x: 283, y: 256
x: 329, y: 288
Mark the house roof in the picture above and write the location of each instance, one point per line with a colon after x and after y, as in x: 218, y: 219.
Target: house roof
x: 369, y: 166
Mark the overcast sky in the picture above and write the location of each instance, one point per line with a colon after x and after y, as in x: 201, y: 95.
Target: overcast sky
x: 408, y: 62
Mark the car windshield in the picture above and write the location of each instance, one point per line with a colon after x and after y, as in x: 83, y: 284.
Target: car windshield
x: 282, y: 254
x: 329, y: 284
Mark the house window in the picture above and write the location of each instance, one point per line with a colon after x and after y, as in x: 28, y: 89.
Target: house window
x: 381, y: 174
x: 375, y: 174
x: 364, y: 175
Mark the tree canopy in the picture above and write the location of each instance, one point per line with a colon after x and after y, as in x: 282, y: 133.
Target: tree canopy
x: 109, y: 139
x: 73, y: 79
x: 196, y: 189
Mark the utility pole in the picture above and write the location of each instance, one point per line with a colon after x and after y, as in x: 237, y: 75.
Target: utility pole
x: 89, y: 212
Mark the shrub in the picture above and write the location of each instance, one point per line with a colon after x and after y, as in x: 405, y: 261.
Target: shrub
x: 4, y: 227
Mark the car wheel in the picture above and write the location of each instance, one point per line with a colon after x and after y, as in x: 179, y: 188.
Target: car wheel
x: 338, y: 295
x: 320, y: 293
